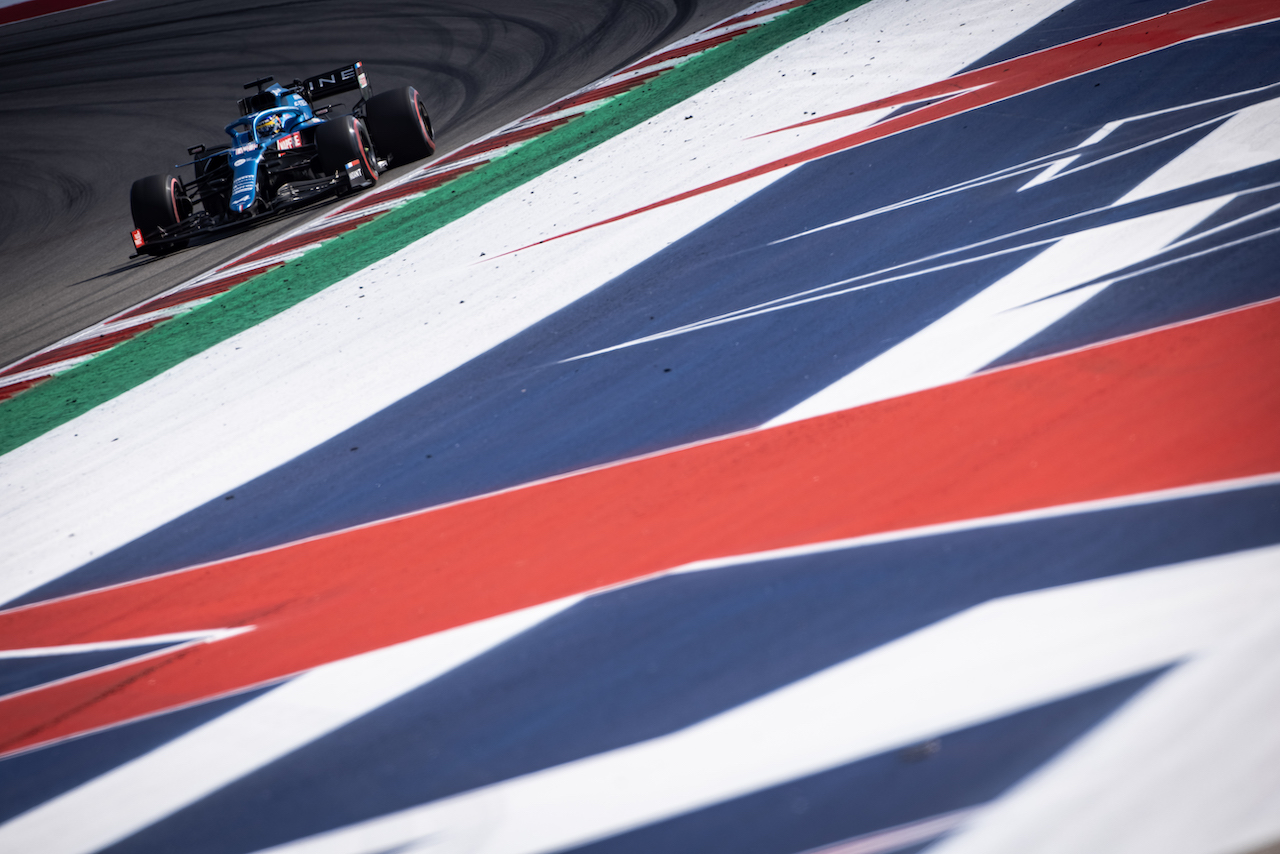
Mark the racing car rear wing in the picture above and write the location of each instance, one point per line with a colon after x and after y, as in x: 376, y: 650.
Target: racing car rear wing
x: 339, y: 80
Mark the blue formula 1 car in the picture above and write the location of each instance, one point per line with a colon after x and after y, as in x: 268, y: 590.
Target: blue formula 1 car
x: 286, y: 150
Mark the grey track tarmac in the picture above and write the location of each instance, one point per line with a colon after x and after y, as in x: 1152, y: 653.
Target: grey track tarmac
x: 91, y: 99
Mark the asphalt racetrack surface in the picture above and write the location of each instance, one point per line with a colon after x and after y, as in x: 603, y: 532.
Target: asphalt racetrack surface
x: 93, y: 98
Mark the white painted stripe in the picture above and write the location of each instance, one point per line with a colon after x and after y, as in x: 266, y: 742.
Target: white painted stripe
x: 1007, y: 313
x: 1040, y: 162
x: 1250, y: 138
x: 208, y: 635
x: 1102, y: 133
x: 902, y: 836
x: 92, y: 332
x: 451, y: 161
x: 127, y: 320
x: 724, y: 29
x: 546, y: 118
x: 1035, y: 296
x: 145, y: 790
x: 185, y: 640
x: 43, y: 370
x: 269, y: 394
x: 355, y: 213
x: 262, y: 264
x: 1191, y: 767
x: 1050, y: 173
x: 151, y: 316
x: 256, y: 266
x: 1001, y: 657
x: 977, y: 523
x: 569, y: 112
x: 621, y: 77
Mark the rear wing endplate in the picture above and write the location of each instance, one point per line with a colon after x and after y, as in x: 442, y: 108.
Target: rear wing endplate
x: 339, y: 80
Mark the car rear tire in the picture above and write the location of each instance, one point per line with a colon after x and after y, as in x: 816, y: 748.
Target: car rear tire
x: 341, y: 140
x: 400, y: 126
x: 158, y: 202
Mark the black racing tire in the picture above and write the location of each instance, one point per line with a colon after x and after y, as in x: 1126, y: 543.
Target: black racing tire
x: 341, y: 140
x: 158, y: 201
x: 400, y: 126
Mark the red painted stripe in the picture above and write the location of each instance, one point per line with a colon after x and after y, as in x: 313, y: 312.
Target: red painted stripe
x: 687, y: 50
x: 208, y: 289
x: 1176, y: 407
x: 9, y: 391
x: 590, y: 97
x: 695, y: 47
x: 760, y: 13
x: 986, y: 86
x: 36, y: 8
x: 502, y: 140
x: 306, y: 238
x: 418, y: 185
x: 79, y: 348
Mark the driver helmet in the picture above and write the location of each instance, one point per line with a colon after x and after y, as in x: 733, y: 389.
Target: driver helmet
x: 269, y: 125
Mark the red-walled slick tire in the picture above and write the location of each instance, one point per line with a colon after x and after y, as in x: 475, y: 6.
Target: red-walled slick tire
x: 158, y: 202
x: 341, y: 140
x: 400, y: 126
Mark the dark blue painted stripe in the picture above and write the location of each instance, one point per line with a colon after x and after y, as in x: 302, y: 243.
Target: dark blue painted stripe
x: 653, y: 658
x: 17, y: 674
x: 1199, y: 286
x: 30, y: 779
x: 958, y: 770
x: 1076, y: 21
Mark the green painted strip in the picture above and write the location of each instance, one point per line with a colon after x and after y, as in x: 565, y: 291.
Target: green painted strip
x: 128, y: 365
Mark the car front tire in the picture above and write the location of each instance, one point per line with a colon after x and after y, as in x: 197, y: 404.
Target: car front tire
x: 341, y: 140
x: 158, y: 202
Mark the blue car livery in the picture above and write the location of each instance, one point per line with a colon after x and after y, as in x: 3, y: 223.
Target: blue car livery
x: 286, y: 150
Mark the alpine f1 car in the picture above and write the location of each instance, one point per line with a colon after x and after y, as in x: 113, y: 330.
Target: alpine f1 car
x: 287, y: 149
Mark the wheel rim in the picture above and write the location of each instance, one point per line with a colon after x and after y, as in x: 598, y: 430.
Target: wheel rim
x: 423, y: 121
x: 173, y: 200
x: 366, y: 151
